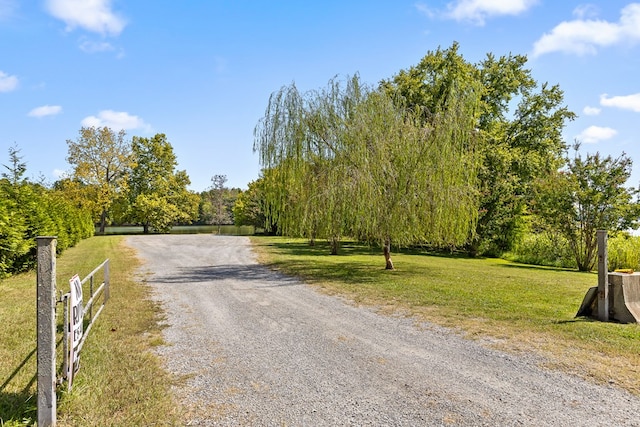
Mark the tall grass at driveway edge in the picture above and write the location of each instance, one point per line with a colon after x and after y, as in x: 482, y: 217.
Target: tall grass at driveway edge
x: 120, y: 381
x: 515, y: 307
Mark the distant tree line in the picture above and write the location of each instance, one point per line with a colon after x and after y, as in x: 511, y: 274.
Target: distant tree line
x: 114, y: 181
x: 136, y: 182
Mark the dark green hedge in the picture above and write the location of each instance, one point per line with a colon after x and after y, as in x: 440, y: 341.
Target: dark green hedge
x: 28, y: 210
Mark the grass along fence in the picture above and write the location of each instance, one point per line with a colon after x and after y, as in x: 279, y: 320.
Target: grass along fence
x: 75, y: 329
x: 515, y: 307
x: 121, y: 381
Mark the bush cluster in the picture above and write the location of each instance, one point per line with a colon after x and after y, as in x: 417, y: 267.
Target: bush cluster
x: 542, y: 249
x: 28, y: 210
x: 553, y: 250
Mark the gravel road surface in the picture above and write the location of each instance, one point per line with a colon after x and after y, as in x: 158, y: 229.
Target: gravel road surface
x: 261, y: 349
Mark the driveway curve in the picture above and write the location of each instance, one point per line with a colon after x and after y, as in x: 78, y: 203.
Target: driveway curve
x: 261, y: 349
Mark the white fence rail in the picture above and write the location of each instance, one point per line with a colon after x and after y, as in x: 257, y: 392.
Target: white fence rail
x: 71, y: 351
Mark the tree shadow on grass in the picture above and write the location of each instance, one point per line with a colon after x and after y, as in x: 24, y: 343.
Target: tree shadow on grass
x: 323, y: 248
x: 338, y: 268
x: 542, y: 268
x: 19, y: 406
x: 580, y: 319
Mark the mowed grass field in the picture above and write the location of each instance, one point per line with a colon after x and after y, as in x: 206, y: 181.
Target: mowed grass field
x: 514, y: 307
x: 517, y: 308
x: 120, y: 381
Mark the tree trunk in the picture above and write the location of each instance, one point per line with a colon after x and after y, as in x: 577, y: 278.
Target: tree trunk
x: 473, y: 247
x: 387, y: 255
x: 335, y: 245
x: 103, y: 221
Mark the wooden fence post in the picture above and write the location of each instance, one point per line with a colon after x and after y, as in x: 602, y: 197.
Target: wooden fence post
x: 46, y: 328
x: 603, y: 276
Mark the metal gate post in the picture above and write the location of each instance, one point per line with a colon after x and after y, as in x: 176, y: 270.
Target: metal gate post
x: 603, y: 276
x: 46, y: 328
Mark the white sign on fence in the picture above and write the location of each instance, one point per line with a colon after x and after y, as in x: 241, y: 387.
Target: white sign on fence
x: 75, y: 325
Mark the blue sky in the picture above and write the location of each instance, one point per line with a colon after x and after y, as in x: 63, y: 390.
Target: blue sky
x: 201, y: 71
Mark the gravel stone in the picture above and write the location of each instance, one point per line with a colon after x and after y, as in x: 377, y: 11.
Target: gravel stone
x: 257, y: 348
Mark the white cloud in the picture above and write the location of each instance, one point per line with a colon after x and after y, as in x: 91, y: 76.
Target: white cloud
x: 591, y: 111
x: 594, y: 134
x: 45, y: 110
x: 585, y: 36
x: 7, y: 82
x: 426, y: 10
x: 628, y: 102
x: 585, y: 11
x: 92, y: 15
x: 477, y: 11
x: 116, y: 120
x: 59, y: 174
x: 95, y: 47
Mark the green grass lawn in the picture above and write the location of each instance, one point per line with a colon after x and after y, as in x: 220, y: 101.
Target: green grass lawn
x: 120, y: 382
x: 516, y: 307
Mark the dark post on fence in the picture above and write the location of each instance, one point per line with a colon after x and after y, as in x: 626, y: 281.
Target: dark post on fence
x: 603, y: 276
x: 46, y: 327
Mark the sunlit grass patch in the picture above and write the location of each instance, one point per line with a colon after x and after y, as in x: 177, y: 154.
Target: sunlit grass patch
x: 517, y: 307
x: 120, y: 381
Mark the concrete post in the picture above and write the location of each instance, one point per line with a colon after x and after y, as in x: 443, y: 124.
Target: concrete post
x: 603, y: 276
x: 46, y: 327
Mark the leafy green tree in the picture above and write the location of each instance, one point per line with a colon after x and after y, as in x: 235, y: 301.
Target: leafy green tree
x: 156, y: 194
x: 590, y: 195
x: 81, y: 195
x: 24, y: 212
x: 516, y: 146
x: 348, y: 160
x: 216, y: 203
x: 248, y: 208
x: 13, y: 224
x: 28, y: 210
x: 292, y: 146
x: 216, y: 206
x: 13, y: 245
x: 100, y: 158
x: 16, y: 168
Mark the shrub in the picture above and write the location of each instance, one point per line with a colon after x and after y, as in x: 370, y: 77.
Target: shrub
x: 29, y: 210
x: 542, y: 249
x: 624, y: 252
x: 547, y: 249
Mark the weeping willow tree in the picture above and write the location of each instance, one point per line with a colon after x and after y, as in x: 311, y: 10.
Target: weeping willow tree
x: 416, y: 182
x: 351, y: 161
x: 520, y: 125
x: 301, y: 145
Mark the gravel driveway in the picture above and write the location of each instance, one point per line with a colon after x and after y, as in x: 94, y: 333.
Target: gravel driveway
x: 261, y: 349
